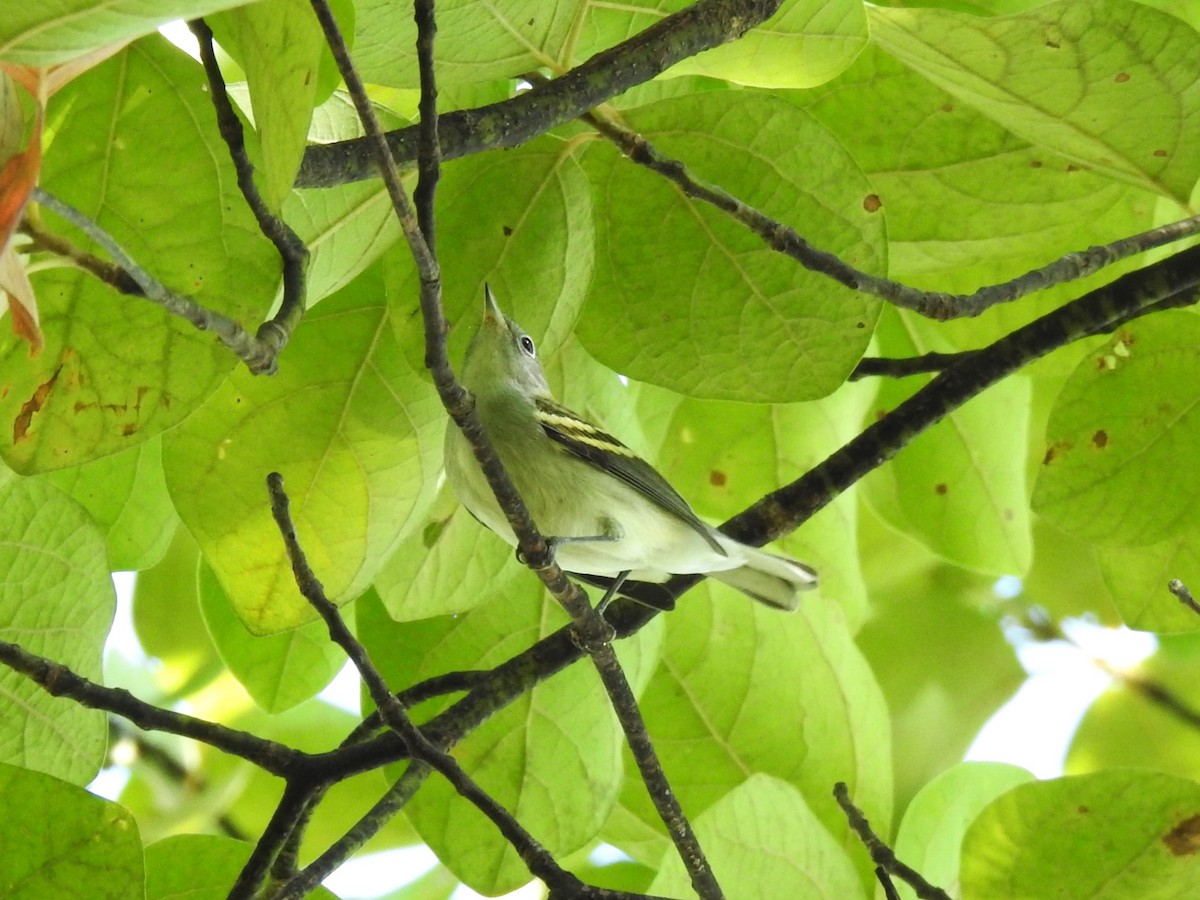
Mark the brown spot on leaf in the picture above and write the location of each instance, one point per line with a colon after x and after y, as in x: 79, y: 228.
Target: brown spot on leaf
x: 1036, y: 164
x: 1184, y: 838
x: 1121, y: 77
x: 1054, y: 451
x: 1100, y: 439
x: 717, y: 478
x: 32, y: 406
x: 1083, y: 810
x: 941, y: 488
x: 1160, y: 153
x: 129, y: 429
x: 947, y: 107
x: 507, y: 231
x: 872, y: 203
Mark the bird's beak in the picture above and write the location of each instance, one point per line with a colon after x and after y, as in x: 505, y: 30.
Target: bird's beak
x: 491, y: 310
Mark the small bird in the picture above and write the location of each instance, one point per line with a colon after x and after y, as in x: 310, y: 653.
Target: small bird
x: 605, y: 511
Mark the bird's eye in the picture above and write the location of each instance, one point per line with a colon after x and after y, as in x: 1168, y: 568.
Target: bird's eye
x: 527, y: 344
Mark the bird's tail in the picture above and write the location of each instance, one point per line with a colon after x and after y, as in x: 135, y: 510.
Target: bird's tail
x: 770, y: 579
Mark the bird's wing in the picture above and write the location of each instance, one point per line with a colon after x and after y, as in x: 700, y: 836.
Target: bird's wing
x: 589, y: 443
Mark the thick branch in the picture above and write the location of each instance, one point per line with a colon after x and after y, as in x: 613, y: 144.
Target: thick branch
x: 701, y: 26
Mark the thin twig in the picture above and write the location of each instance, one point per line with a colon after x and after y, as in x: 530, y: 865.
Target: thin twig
x: 927, y: 363
x: 931, y: 304
x: 275, y: 332
x: 687, y: 845
x: 257, y: 355
x: 881, y: 853
x: 429, y: 150
x: 539, y: 862
x: 1183, y: 595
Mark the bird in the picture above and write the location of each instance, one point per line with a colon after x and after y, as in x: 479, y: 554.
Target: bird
x: 607, y: 513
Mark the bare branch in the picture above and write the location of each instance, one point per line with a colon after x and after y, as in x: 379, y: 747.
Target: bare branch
x: 698, y: 27
x: 275, y: 332
x: 931, y: 304
x: 881, y: 853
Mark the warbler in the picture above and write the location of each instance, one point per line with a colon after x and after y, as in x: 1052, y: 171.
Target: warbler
x: 605, y: 511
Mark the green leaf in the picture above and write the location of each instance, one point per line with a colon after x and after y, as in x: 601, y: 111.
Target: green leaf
x: 1123, y: 833
x: 60, y: 838
x: 805, y: 43
x: 56, y: 600
x: 277, y: 670
x: 968, y: 203
x: 279, y: 44
x: 117, y: 370
x: 959, y: 487
x: 1126, y: 417
x: 475, y: 43
x: 705, y: 308
x: 356, y: 434
x: 954, y: 668
x: 126, y: 495
x: 931, y: 833
x: 44, y: 34
x: 449, y: 566
x: 199, y: 867
x: 1138, y: 577
x: 346, y: 229
x: 1113, y: 85
x: 762, y: 839
x: 744, y: 689
x: 725, y: 456
x: 168, y: 622
x: 552, y: 758
x: 519, y: 220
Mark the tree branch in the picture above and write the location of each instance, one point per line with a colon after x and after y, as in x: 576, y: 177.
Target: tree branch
x: 881, y: 853
x: 931, y: 304
x: 698, y: 27
x: 275, y: 332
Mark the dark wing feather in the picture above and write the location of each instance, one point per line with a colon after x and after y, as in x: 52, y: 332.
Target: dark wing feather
x: 604, y: 451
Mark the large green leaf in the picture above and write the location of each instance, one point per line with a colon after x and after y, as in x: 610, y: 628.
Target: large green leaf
x: 55, y: 31
x: 931, y: 833
x: 763, y: 840
x: 356, y: 434
x: 1112, y: 84
x: 117, y: 370
x: 1119, y: 466
x: 704, y: 307
x: 63, y: 843
x: 968, y: 203
x: 959, y: 487
x: 1121, y: 833
x: 56, y: 600
x: 279, y: 45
